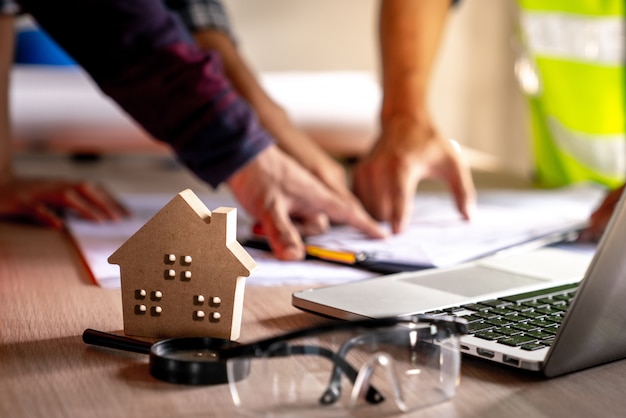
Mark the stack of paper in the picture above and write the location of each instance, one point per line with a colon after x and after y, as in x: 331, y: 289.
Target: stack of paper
x: 436, y: 235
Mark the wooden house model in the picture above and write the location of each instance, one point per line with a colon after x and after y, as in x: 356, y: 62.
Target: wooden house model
x: 183, y: 273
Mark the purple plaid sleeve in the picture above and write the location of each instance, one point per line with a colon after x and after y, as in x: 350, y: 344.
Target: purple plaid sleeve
x: 140, y: 55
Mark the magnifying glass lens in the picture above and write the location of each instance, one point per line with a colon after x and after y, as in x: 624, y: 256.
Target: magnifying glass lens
x: 192, y: 361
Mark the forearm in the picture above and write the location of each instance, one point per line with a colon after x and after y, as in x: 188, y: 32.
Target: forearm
x: 209, y: 24
x: 410, y: 31
x: 271, y: 115
x: 6, y: 60
x: 242, y: 77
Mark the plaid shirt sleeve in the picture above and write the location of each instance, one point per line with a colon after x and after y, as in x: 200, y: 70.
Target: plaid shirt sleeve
x: 202, y: 14
x: 140, y: 55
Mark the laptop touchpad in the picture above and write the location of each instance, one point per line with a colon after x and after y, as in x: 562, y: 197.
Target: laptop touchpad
x: 471, y: 281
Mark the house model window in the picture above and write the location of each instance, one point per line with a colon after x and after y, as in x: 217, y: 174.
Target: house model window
x: 183, y: 273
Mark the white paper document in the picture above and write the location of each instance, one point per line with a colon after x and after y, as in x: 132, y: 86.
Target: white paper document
x: 97, y: 241
x: 436, y: 235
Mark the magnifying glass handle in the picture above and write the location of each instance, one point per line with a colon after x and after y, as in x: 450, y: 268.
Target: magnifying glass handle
x: 104, y: 339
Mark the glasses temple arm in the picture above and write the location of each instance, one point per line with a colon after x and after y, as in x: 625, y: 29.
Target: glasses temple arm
x: 334, y: 385
x: 333, y: 391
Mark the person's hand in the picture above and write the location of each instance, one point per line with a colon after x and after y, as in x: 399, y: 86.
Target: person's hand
x: 599, y: 219
x: 289, y: 202
x: 407, y: 152
x: 41, y: 201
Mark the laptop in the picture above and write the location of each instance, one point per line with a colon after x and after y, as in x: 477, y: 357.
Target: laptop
x: 550, y: 310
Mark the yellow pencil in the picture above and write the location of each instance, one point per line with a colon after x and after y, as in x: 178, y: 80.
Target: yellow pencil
x: 344, y: 257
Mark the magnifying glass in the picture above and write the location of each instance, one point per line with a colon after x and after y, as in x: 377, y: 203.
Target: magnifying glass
x: 191, y: 361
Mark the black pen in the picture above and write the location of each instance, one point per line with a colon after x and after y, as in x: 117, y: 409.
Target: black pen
x: 346, y: 258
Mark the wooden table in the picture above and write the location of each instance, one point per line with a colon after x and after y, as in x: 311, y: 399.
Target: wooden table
x: 47, y: 300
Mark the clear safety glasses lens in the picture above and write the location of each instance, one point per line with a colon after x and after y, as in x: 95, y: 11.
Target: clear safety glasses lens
x: 361, y: 372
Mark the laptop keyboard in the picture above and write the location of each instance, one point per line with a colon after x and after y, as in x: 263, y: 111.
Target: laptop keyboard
x: 527, y: 320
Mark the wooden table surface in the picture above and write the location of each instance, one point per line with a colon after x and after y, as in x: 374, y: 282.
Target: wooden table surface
x: 47, y: 300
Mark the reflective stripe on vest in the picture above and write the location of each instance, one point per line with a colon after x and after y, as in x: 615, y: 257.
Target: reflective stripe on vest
x: 571, y: 37
x: 605, y: 153
x: 579, y: 109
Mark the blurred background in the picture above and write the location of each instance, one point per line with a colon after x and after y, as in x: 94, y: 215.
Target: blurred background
x: 319, y: 60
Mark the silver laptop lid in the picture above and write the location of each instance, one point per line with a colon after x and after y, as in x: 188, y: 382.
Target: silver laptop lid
x: 592, y: 331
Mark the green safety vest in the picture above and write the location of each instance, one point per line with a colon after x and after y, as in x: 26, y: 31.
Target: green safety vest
x: 577, y: 112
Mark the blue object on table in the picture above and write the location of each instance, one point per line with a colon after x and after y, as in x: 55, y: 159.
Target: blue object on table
x: 34, y: 46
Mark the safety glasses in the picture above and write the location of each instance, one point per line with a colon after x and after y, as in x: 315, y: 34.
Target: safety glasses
x: 370, y: 367
x: 366, y: 367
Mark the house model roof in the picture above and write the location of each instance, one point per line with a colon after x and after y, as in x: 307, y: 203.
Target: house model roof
x: 183, y: 272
